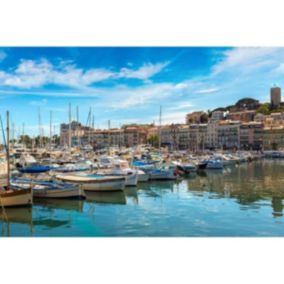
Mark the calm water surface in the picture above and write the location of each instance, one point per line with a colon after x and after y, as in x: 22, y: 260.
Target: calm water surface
x: 242, y: 200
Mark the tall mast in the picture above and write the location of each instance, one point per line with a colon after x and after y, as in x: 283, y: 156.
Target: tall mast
x: 13, y: 134
x: 93, y: 121
x: 77, y: 114
x: 23, y: 135
x: 109, y: 136
x: 70, y: 138
x: 119, y: 139
x: 39, y: 128
x: 54, y: 133
x: 50, y: 129
x: 77, y: 118
x: 160, y: 125
x: 89, y: 125
x: 8, y: 150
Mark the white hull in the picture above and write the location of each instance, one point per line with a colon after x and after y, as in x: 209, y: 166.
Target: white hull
x: 21, y: 197
x: 162, y: 175
x: 95, y: 184
x: 106, y: 186
x: 131, y: 180
x: 59, y: 193
x: 143, y: 177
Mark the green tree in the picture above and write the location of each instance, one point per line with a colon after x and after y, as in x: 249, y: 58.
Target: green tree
x: 264, y: 109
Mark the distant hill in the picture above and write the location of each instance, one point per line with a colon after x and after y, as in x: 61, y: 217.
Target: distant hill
x: 242, y: 104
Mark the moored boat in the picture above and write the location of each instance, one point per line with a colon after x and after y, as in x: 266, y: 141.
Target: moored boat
x: 50, y: 189
x: 12, y: 197
x: 94, y: 182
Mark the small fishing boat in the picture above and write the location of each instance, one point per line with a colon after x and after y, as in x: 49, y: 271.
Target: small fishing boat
x: 11, y: 196
x: 94, y: 182
x: 50, y: 189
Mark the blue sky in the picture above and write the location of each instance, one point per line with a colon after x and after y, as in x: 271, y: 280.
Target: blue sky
x: 127, y: 85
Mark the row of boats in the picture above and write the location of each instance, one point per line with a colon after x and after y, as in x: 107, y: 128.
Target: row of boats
x: 73, y: 177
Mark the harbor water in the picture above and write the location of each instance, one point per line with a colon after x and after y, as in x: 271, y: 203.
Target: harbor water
x: 240, y: 200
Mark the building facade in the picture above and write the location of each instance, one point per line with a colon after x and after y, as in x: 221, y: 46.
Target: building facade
x: 229, y: 134
x: 251, y: 136
x: 273, y: 138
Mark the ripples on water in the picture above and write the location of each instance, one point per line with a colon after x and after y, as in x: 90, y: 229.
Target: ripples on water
x: 242, y: 200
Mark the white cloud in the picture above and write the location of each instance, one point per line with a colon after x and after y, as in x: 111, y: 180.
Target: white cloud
x: 144, y: 72
x: 207, y: 91
x: 127, y: 97
x: 37, y: 73
x: 244, y: 58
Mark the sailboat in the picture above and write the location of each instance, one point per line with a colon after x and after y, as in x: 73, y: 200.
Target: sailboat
x: 11, y: 195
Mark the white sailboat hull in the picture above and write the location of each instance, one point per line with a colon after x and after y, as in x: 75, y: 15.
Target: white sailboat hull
x: 93, y: 184
x: 106, y: 186
x: 59, y: 193
x: 143, y: 177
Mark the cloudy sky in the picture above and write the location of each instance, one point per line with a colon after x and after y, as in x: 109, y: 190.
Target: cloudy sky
x: 128, y: 85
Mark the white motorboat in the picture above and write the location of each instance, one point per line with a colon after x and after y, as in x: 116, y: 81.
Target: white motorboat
x: 50, y: 189
x: 94, y: 182
x: 121, y: 168
x: 142, y: 176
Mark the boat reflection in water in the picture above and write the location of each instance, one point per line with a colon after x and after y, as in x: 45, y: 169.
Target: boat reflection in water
x: 18, y: 216
x: 115, y: 197
x: 157, y: 188
x: 131, y: 194
x: 248, y: 184
x: 64, y: 204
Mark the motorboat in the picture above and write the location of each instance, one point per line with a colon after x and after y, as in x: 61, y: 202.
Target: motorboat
x: 50, y: 189
x: 121, y: 168
x: 94, y: 182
